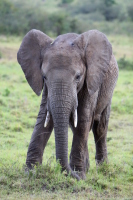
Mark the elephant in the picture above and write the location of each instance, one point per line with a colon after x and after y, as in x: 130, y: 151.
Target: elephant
x: 77, y: 74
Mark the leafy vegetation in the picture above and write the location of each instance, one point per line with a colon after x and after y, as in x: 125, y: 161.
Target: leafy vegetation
x: 66, y: 1
x: 18, y: 112
x: 18, y: 18
x: 125, y: 64
x: 60, y: 16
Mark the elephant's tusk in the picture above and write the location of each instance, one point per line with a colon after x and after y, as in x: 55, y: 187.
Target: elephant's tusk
x: 47, y: 119
x: 75, y: 118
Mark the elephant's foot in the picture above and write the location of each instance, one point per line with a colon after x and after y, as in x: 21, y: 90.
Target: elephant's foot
x: 81, y: 171
x: 34, y: 157
x: 79, y: 157
x: 30, y: 165
x: 75, y: 175
x: 80, y: 165
x: 101, y: 151
x: 101, y: 160
x: 82, y: 175
x: 71, y: 172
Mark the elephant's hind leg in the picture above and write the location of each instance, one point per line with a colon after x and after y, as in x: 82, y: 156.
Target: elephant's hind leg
x: 100, y: 128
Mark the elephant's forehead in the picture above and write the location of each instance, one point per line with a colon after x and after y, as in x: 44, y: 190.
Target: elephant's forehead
x: 59, y: 59
x: 62, y: 54
x: 64, y: 57
x: 61, y: 46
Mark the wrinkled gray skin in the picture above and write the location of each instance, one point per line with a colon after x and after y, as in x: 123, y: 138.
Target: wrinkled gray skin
x: 76, y: 72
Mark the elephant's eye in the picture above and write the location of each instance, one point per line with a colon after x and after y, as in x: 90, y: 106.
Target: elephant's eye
x: 78, y: 77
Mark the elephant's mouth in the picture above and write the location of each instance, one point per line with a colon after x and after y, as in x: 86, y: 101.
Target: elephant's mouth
x: 74, y: 114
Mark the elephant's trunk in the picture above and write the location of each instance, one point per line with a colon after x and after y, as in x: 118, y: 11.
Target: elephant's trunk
x: 61, y: 138
x: 61, y: 105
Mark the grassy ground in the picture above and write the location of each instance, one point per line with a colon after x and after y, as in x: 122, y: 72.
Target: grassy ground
x: 18, y: 110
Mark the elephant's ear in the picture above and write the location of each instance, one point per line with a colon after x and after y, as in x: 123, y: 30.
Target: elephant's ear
x: 29, y: 57
x: 97, y: 52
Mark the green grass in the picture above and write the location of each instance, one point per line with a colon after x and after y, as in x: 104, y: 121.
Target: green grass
x: 18, y: 111
x: 122, y: 46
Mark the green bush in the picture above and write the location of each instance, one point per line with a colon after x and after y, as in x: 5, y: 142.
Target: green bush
x: 66, y: 1
x: 6, y: 92
x: 62, y: 23
x: 125, y: 64
x: 20, y: 18
x: 130, y: 11
x: 110, y: 13
x: 107, y: 8
x: 85, y: 7
x: 6, y: 11
x: 0, y: 55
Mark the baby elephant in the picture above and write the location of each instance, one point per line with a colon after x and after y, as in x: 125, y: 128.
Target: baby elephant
x: 77, y: 74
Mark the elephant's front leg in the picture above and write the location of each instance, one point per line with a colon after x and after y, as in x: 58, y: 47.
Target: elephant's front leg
x: 39, y: 136
x: 100, y: 128
x: 79, y: 157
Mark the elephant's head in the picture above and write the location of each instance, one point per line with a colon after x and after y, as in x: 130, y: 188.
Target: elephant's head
x: 63, y: 66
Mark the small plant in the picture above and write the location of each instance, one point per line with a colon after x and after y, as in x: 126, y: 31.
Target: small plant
x: 0, y: 55
x: 6, y: 92
x: 17, y: 128
x: 2, y: 102
x: 123, y: 63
